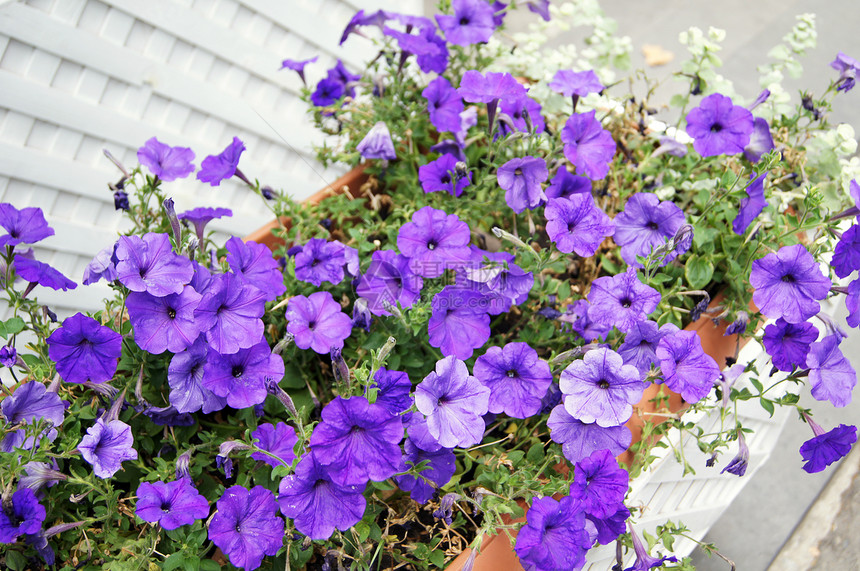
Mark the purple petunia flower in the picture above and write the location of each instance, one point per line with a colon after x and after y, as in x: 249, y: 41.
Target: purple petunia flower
x: 41, y: 475
x: 738, y: 464
x: 751, y: 205
x: 106, y: 445
x: 788, y: 284
x: 358, y: 441
x: 241, y: 377
x: 640, y: 344
x: 788, y: 343
x: 579, y: 439
x: 342, y: 75
x: 539, y: 7
x: 825, y: 448
x: 25, y: 226
x: 516, y: 377
x: 440, y: 468
x: 645, y: 225
x: 246, y: 526
x: 431, y: 53
x: 471, y: 23
x: 254, y: 262
x: 216, y: 168
x: 317, y: 322
x: 576, y: 224
x: 327, y: 92
x: 621, y: 300
x: 521, y: 179
x: 645, y: 562
x: 846, y: 256
x: 103, y: 265
x: 170, y: 504
x: 30, y: 402
x: 229, y: 313
x: 444, y: 105
x: 830, y: 374
x: 37, y: 272
x: 517, y: 112
x: 360, y: 19
x: 582, y: 324
x: 686, y: 368
x: 279, y: 439
x: 8, y: 356
x: 149, y: 264
x: 394, y: 388
x: 23, y: 514
x: 201, y: 216
x: 579, y: 83
x: 601, y: 388
x: 185, y: 377
x: 719, y: 127
x: 852, y: 303
x: 848, y: 69
x: 453, y: 402
x: 321, y: 261
x: 554, y: 535
x: 441, y: 174
x: 166, y: 162
x: 377, y: 144
x: 761, y: 141
x: 476, y: 87
x: 434, y: 241
x: 600, y: 484
x: 316, y: 503
x: 587, y: 145
x: 564, y: 185
x: 84, y: 351
x: 298, y: 66
x: 497, y: 278
x: 388, y: 280
x: 164, y: 323
x: 459, y: 323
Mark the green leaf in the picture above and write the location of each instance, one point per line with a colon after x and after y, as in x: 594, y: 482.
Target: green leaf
x: 437, y: 558
x: 767, y: 405
x: 756, y: 383
x: 210, y: 565
x: 698, y: 271
x: 363, y: 531
x: 11, y: 327
x: 174, y: 561
x: 535, y: 453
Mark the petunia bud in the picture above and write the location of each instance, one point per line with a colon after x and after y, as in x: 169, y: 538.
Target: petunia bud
x: 738, y: 465
x: 175, y: 226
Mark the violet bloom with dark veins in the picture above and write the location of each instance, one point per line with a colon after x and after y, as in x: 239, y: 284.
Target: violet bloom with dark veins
x: 358, y: 441
x: 686, y: 368
x: 848, y: 69
x: 240, y: 377
x: 471, y: 23
x: 84, y: 351
x: 517, y: 111
x: 439, y: 469
x: 246, y: 526
x: 761, y: 141
x: 645, y: 225
x: 278, y: 439
x: 317, y: 504
x: 490, y: 89
x: 441, y: 175
x: 434, y: 241
x: 254, y: 262
x: 201, y: 216
x: 564, y: 185
x: 554, y: 535
x: 644, y: 562
x: 498, y: 278
x: 37, y: 272
x: 394, y: 388
x: 577, y: 315
x: 229, y: 313
x: 30, y: 402
x: 601, y: 388
x: 166, y: 162
x: 298, y: 66
x: 106, y: 445
x: 8, y: 356
x: 830, y: 374
x: 579, y: 439
x: 521, y: 179
x: 825, y: 448
x: 40, y: 475
x: 516, y: 377
x: 222, y: 166
x: 719, y: 127
x: 576, y: 224
x: 846, y: 256
x: 431, y: 53
x: 328, y: 91
x: 164, y: 323
x: 453, y: 402
x: 579, y: 83
x: 788, y: 284
x: 25, y: 226
x: 185, y: 377
x: 444, y: 105
x: 600, y: 484
x: 103, y: 265
x: 738, y: 464
x: 149, y: 264
x: 640, y: 344
x: 170, y: 504
x: 621, y: 300
x: 317, y: 322
x: 788, y: 344
x: 22, y: 515
x: 321, y: 261
x: 388, y: 280
x: 588, y: 145
x: 377, y: 144
x: 751, y: 205
x: 459, y: 323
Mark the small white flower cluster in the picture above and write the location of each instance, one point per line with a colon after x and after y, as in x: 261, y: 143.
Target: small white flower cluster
x: 703, y: 65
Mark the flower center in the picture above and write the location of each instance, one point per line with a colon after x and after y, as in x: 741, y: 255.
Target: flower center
x: 237, y: 371
x: 652, y: 225
x: 603, y: 384
x: 788, y: 278
x: 626, y: 303
x: 171, y: 313
x: 464, y: 21
x: 716, y: 128
x: 518, y: 171
x: 311, y: 325
x: 165, y: 506
x: 315, y: 263
x: 445, y: 179
x: 512, y: 373
x: 431, y: 245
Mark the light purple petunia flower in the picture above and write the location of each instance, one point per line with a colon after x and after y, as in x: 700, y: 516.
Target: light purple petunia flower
x: 587, y: 145
x: 554, y: 535
x: 788, y: 284
x: 852, y: 303
x: 279, y: 439
x: 216, y: 168
x: 321, y: 261
x: 316, y: 503
x: 539, y: 7
x: 377, y: 144
x: 719, y: 127
x: 644, y: 562
x: 106, y: 445
x: 848, y: 69
x: 521, y: 179
x: 686, y: 368
x: 317, y: 322
x: 327, y: 92
x: 621, y: 300
x: 580, y: 83
x: 761, y: 141
x: 84, y: 351
x: 441, y: 175
x: 246, y: 526
x: 185, y: 377
x: 579, y: 439
x: 360, y: 19
x: 444, y: 105
x: 254, y: 262
x: 358, y: 441
x: 600, y: 484
x: 582, y: 324
x: 830, y: 373
x: 497, y: 277
x: 459, y: 323
x: 576, y: 224
x: 388, y: 280
x: 601, y: 388
x: 476, y: 87
x: 453, y: 402
x: 564, y: 185
x: 751, y: 205
x: 170, y: 504
x: 434, y: 241
x: 738, y: 464
x: 516, y: 112
x: 788, y: 343
x: 241, y: 377
x: 37, y: 272
x: 640, y: 344
x: 8, y: 356
x: 164, y: 323
x: 430, y: 50
x: 201, y: 216
x: 516, y: 377
x: 440, y: 468
x: 103, y: 265
x: 229, y: 313
x: 21, y: 516
x: 846, y: 255
x: 30, y: 402
x: 166, y: 162
x: 471, y: 23
x: 149, y: 264
x: 645, y: 225
x: 41, y: 475
x: 25, y: 226
x: 825, y: 448
x: 394, y: 388
x: 298, y: 66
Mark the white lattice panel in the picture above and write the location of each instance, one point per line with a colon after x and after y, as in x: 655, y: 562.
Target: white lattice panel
x: 79, y: 76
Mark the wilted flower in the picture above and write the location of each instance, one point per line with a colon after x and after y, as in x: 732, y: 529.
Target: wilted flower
x: 377, y: 143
